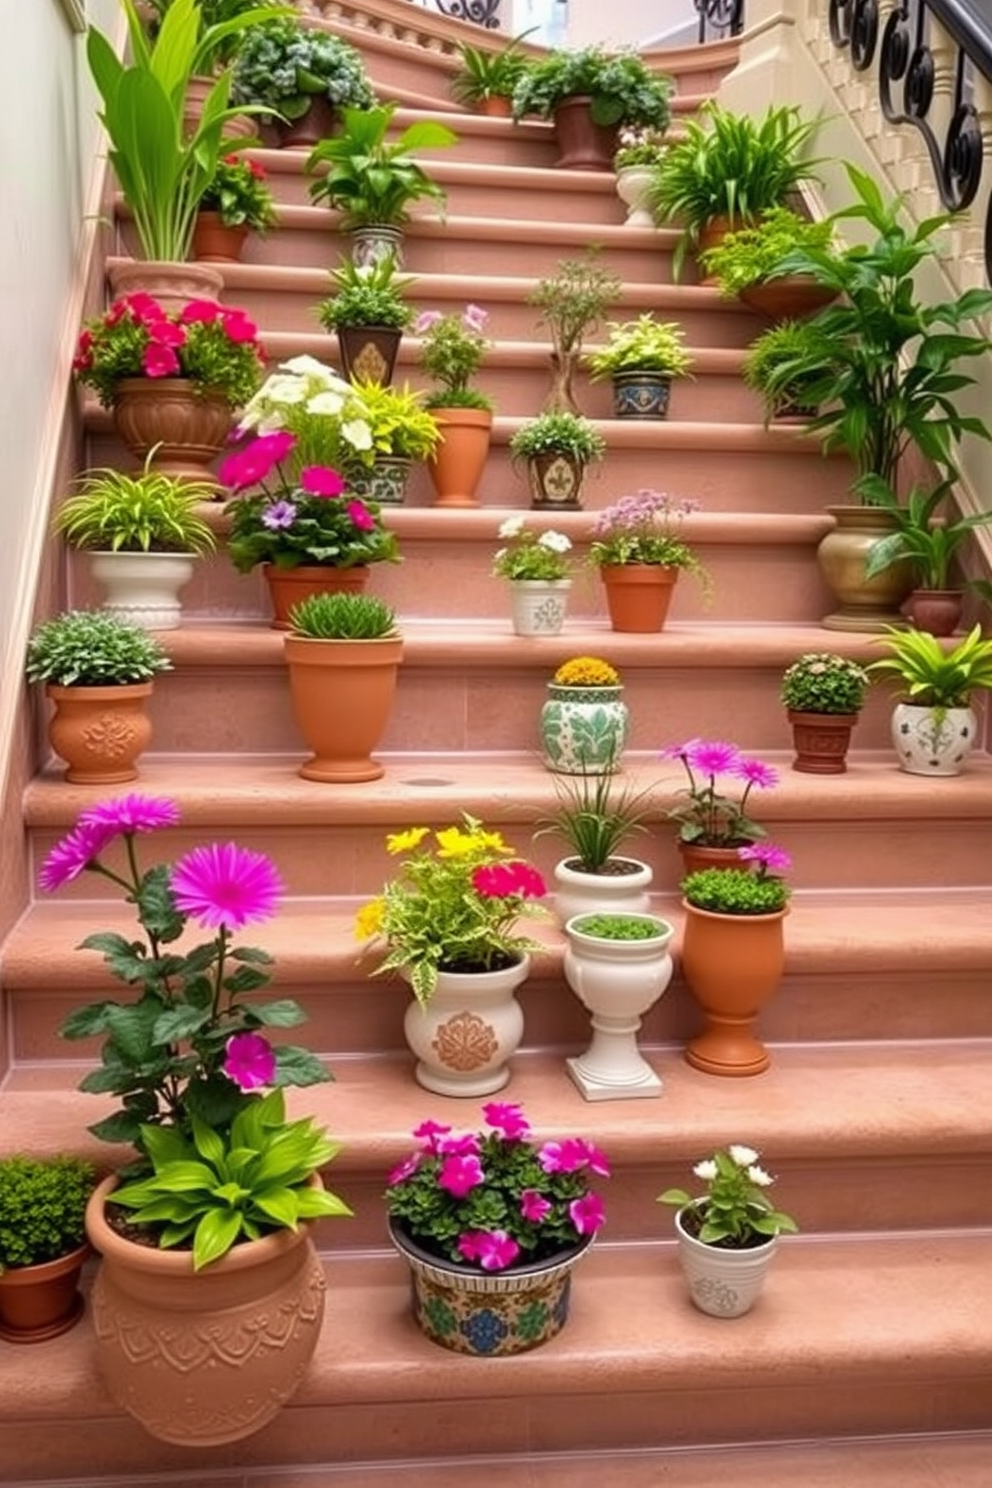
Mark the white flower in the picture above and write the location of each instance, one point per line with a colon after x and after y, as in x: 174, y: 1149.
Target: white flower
x: 283, y: 390
x: 512, y: 527
x: 760, y: 1177
x: 500, y: 554
x: 327, y: 402
x: 307, y: 366
x: 357, y: 433
x: 557, y: 542
x: 742, y: 1156
x: 705, y: 1170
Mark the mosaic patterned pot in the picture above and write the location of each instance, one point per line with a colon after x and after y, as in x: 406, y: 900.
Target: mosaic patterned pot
x: 583, y: 729
x: 470, y: 1028
x: 489, y: 1314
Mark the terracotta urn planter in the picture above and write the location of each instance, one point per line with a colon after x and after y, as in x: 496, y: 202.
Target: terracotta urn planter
x: 215, y: 242
x: 172, y: 284
x: 468, y: 1032
x: 821, y: 741
x: 938, y: 611
x: 40, y: 1302
x: 186, y: 429
x: 456, y: 467
x: 583, y: 145
x: 342, y: 693
x: 100, y: 732
x: 638, y: 595
x: 732, y: 963
x: 287, y: 586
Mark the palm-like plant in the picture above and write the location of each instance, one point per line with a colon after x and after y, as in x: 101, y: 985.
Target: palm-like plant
x: 373, y: 181
x: 931, y: 676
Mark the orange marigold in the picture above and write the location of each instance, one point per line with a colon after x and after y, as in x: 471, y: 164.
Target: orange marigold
x: 586, y: 671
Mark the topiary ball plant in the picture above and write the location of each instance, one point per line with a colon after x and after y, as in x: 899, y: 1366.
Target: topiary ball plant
x: 42, y: 1204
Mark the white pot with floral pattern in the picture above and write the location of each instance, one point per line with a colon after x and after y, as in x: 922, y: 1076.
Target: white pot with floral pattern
x: 471, y: 1027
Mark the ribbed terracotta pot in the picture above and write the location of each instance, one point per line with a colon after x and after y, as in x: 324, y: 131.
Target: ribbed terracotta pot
x: 287, y: 586
x: 821, y: 741
x: 171, y: 283
x: 457, y: 465
x: 215, y: 242
x: 638, y: 595
x: 732, y: 964
x: 189, y: 428
x: 100, y: 732
x: 40, y: 1302
x: 583, y: 145
x: 204, y: 1357
x: 342, y: 693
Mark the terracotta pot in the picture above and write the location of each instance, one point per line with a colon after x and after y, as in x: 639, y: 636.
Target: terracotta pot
x: 555, y: 481
x: 711, y: 236
x: 722, y: 1283
x: 241, y: 127
x: 697, y: 856
x: 864, y: 604
x: 583, y: 145
x: 287, y: 586
x: 40, y: 1302
x: 189, y: 429
x: 456, y: 467
x: 935, y: 610
x: 638, y: 595
x: 204, y: 1357
x: 342, y: 693
x: 732, y: 964
x: 319, y: 122
x: 789, y: 298
x: 215, y: 242
x: 821, y: 741
x: 100, y: 732
x: 172, y: 284
x: 641, y: 395
x: 368, y: 353
x: 496, y: 106
x: 469, y: 1031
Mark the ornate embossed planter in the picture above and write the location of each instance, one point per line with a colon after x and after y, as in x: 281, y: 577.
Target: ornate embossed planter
x: 368, y: 353
x: 467, y: 1033
x: 186, y: 430
x: 143, y: 588
x: 100, y: 732
x: 489, y: 1314
x: 202, y: 1358
x: 538, y: 605
x: 722, y: 1283
x: 641, y: 395
x: 633, y: 184
x: 171, y: 283
x: 821, y: 741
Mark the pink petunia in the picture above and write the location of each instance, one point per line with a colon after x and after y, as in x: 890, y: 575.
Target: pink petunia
x: 360, y: 516
x: 167, y: 333
x: 459, y: 1175
x: 70, y: 857
x: 133, y: 813
x: 596, y: 1160
x: 248, y: 466
x: 159, y: 361
x: 587, y: 1214
x: 534, y: 1206
x: 493, y: 880
x: 225, y: 886
x: 404, y: 1170
x: 142, y: 307
x: 508, y: 1119
x: 563, y: 1157
x: 528, y: 883
x: 712, y: 756
x: 475, y: 318
x: 202, y: 311
x: 237, y: 326
x: 429, y: 1132
x: 465, y: 1145
x: 250, y: 1062
x: 425, y: 320
x: 493, y: 1250
x: 320, y: 480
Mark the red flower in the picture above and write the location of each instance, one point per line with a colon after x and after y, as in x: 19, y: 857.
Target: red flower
x: 200, y: 310
x: 360, y: 516
x: 238, y: 327
x: 258, y: 171
x: 144, y: 308
x: 167, y: 333
x: 159, y: 361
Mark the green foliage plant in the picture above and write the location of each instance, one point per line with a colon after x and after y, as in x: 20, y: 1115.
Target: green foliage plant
x: 619, y: 926
x: 343, y: 617
x: 452, y: 348
x: 787, y: 344
x: 750, y: 255
x: 87, y: 648
x: 558, y: 433
x: 931, y: 676
x: 401, y: 426
x: 734, y: 891
x: 147, y: 512
x: 643, y: 345
x: 367, y: 295
x: 215, y: 13
x: 639, y: 146
x: 572, y: 302
x: 483, y: 74
x: 734, y: 1213
x: 595, y: 816
x: 621, y: 87
x: 208, y: 1190
x: 372, y: 179
x: 823, y: 682
x: 730, y: 165
x: 239, y: 195
x: 283, y: 65
x: 928, y: 541
x: 42, y: 1204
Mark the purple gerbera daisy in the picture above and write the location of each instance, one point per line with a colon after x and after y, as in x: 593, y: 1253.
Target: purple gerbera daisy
x: 225, y: 886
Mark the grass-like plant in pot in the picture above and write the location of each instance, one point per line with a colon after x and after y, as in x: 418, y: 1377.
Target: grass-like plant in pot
x: 485, y: 77
x: 750, y: 256
x: 42, y: 1244
x: 934, y: 726
x: 786, y: 344
x: 283, y: 66
x: 371, y: 176
x: 343, y: 617
x: 572, y: 302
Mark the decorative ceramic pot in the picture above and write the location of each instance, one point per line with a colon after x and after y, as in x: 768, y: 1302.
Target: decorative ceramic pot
x: 319, y: 122
x: 732, y: 964
x: 189, y: 428
x: 582, y: 144
x: 583, y: 729
x: 864, y: 604
x: 621, y: 889
x: 538, y: 606
x: 40, y: 1302
x: 342, y: 693
x: 933, y: 741
x: 641, y: 395
x: 821, y: 741
x: 215, y: 242
x: 468, y: 1031
x: 638, y: 595
x: 375, y: 242
x: 100, y: 732
x: 722, y: 1283
x: 618, y: 981
x: 489, y: 1313
x: 555, y: 481
x: 386, y: 481
x: 937, y: 611
x: 633, y: 184
x: 171, y: 283
x: 460, y: 457
x: 143, y: 588
x: 204, y: 1357
x: 368, y: 353
x: 287, y: 586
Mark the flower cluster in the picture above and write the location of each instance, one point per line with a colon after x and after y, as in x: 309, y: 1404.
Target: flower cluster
x: 452, y: 348
x: 311, y: 519
x: 453, y: 906
x: 216, y: 348
x: 492, y: 1199
x: 709, y: 817
x: 643, y: 528
x: 734, y: 1212
x: 822, y: 682
x: 324, y: 411
x: 639, y: 146
x: 239, y: 194
x: 586, y: 671
x: 183, y: 1043
x: 531, y: 556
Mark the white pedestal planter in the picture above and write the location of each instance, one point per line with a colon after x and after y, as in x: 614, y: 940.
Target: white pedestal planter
x: 578, y: 893
x: 722, y: 1283
x: 932, y: 741
x: 468, y: 1031
x: 143, y: 588
x: 618, y: 981
x: 633, y: 185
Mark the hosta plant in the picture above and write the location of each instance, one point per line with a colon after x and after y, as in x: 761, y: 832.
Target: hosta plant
x: 282, y: 65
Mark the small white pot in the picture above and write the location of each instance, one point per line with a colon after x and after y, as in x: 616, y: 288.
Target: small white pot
x: 607, y: 893
x: 538, y: 606
x: 618, y: 981
x: 143, y: 588
x: 932, y: 741
x: 722, y: 1283
x: 468, y: 1031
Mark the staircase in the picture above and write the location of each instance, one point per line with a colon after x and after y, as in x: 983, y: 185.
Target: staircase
x: 868, y: 1359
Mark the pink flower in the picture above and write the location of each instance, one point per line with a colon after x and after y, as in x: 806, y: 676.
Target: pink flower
x: 404, y: 1170
x: 466, y: 1145
x: 425, y: 320
x: 475, y: 318
x: 534, y: 1206
x: 770, y: 858
x: 225, y: 886
x: 204, y: 311
x: 494, y: 1250
x: 429, y: 1131
x: 563, y: 1157
x: 134, y: 813
x: 508, y: 1119
x: 256, y: 461
x: 237, y: 326
x: 360, y: 516
x: 459, y: 1175
x: 70, y: 857
x: 167, y: 333
x: 493, y: 880
x: 713, y: 757
x: 159, y: 361
x: 250, y: 1061
x: 143, y: 308
x: 596, y: 1160
x: 529, y: 883
x: 756, y: 772
x: 587, y: 1214
x: 320, y: 480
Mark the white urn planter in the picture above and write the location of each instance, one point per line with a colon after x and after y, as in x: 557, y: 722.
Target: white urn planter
x: 618, y: 981
x: 468, y: 1031
x: 723, y: 1283
x: 932, y: 741
x: 633, y: 184
x: 538, y: 606
x: 143, y: 588
x: 623, y: 890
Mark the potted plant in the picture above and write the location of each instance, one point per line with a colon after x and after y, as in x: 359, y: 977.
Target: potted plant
x: 300, y: 78
x: 222, y: 1181
x: 572, y: 301
x: 98, y: 672
x: 733, y: 954
x: 785, y: 344
x: 584, y: 719
x: 42, y: 1244
x: 641, y: 357
x: 637, y: 548
x: 236, y: 202
x: 746, y: 263
x: 451, y: 351
x: 823, y: 693
x: 448, y: 923
x: 491, y: 1225
x: 712, y: 823
x: 590, y: 93
x: 557, y: 448
x: 727, y: 1235
x: 403, y: 430
x: 726, y: 170
x: 369, y: 313
x: 372, y: 178
x: 142, y: 532
x: 640, y: 150
x: 934, y: 726
x: 538, y: 568
x: 171, y: 378
x: 343, y: 652
x: 484, y: 79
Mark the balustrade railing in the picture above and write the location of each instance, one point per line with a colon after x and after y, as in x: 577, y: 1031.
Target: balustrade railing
x: 719, y: 18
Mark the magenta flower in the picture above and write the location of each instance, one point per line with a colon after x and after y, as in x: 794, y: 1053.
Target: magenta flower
x: 493, y: 1250
x: 404, y: 1170
x: 278, y: 515
x: 70, y: 857
x: 597, y: 1160
x: 248, y: 466
x: 475, y: 318
x: 320, y: 480
x: 493, y: 880
x: 530, y: 884
x: 756, y: 772
x: 429, y: 1132
x: 713, y: 757
x: 166, y: 333
x: 159, y: 361
x: 563, y: 1157
x: 587, y: 1214
x: 360, y: 516
x: 224, y: 886
x: 508, y: 1119
x: 237, y: 326
x: 534, y: 1206
x: 459, y: 1175
x: 204, y: 311
x: 250, y: 1062
x: 466, y: 1145
x: 143, y: 308
x: 134, y: 813
x: 770, y: 859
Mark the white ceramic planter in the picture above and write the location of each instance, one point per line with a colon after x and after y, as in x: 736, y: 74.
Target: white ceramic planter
x: 143, y: 588
x: 538, y: 606
x: 722, y: 1283
x: 578, y: 893
x: 468, y: 1031
x: 932, y: 741
x: 633, y: 183
x: 618, y: 981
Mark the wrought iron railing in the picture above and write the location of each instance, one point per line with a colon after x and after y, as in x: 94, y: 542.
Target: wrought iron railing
x: 719, y: 18
x: 479, y: 12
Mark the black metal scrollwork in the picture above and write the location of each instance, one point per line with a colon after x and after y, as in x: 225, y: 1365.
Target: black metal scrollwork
x: 854, y: 24
x: 479, y: 12
x: 719, y: 18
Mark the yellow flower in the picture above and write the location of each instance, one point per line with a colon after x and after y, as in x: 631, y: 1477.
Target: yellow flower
x: 493, y: 841
x: 398, y: 842
x: 454, y: 843
x: 368, y: 920
x: 586, y: 671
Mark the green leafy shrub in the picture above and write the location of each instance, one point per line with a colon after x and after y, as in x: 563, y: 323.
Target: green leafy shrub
x: 367, y: 295
x: 42, y: 1204
x: 823, y: 682
x: 372, y: 180
x: 87, y: 648
x: 750, y: 255
x: 735, y: 891
x: 149, y: 512
x: 645, y: 345
x: 558, y: 433
x: 283, y: 64
x: 622, y: 88
x: 619, y: 926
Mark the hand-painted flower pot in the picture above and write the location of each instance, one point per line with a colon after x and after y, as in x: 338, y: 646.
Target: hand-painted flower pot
x: 468, y: 1032
x: 555, y: 481
x: 368, y: 353
x: 933, y: 741
x: 538, y: 606
x: 722, y: 1283
x: 732, y: 964
x: 583, y: 729
x: 384, y: 482
x: 641, y: 395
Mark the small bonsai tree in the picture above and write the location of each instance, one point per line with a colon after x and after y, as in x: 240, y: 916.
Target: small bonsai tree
x: 572, y: 301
